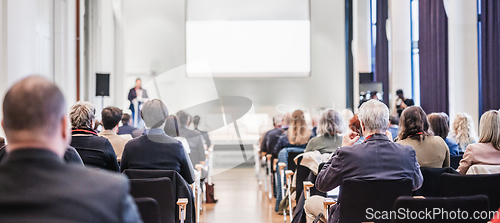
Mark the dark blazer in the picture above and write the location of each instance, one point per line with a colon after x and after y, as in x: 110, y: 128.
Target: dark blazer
x: 126, y: 129
x: 132, y: 95
x: 195, y: 141
x: 270, y: 140
x: 377, y: 158
x: 205, y: 137
x: 158, y: 151
x: 89, y: 141
x: 71, y: 156
x: 37, y: 186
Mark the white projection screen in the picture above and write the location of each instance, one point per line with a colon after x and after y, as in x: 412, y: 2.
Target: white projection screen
x: 248, y: 38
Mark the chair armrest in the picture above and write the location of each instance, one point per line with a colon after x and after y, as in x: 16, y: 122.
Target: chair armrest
x: 326, y: 204
x: 182, y: 202
x: 281, y: 165
x: 307, y: 185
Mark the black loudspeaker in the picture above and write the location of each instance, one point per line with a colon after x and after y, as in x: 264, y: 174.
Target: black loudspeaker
x: 102, y: 84
x: 366, y: 77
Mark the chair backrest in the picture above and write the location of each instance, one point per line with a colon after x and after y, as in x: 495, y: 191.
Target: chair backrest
x: 431, y: 176
x: 455, y: 161
x: 93, y: 157
x: 451, y: 185
x: 149, y: 209
x: 181, y: 187
x: 483, y: 169
x: 467, y: 206
x: 290, y: 163
x: 356, y: 196
x: 161, y: 190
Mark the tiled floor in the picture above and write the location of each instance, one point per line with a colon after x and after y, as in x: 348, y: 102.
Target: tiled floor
x: 240, y: 200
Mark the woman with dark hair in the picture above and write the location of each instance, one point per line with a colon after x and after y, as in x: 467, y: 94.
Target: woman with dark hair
x: 440, y: 126
x: 431, y: 151
x: 172, y: 129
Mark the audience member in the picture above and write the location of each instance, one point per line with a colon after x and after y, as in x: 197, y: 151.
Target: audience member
x: 270, y: 139
x: 393, y: 126
x: 355, y: 126
x: 36, y: 185
x: 431, y: 151
x: 126, y: 127
x: 172, y: 129
x: 156, y: 150
x: 463, y: 132
x: 297, y: 135
x: 287, y: 119
x: 206, y: 138
x: 378, y: 158
x: 194, y: 138
x: 487, y: 150
x: 82, y: 116
x: 439, y: 125
x: 111, y: 117
x: 402, y: 103
x: 329, y: 133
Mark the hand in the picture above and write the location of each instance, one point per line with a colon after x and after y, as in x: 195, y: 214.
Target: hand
x: 388, y: 134
x: 403, y: 105
x: 350, y: 138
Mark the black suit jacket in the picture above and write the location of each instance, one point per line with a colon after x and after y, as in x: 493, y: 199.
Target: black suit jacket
x: 132, y: 95
x: 36, y: 186
x: 90, y: 141
x: 195, y: 141
x: 205, y: 137
x: 156, y: 150
x: 71, y: 156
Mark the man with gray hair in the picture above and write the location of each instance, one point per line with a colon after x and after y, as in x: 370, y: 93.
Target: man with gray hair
x: 36, y: 185
x: 377, y: 158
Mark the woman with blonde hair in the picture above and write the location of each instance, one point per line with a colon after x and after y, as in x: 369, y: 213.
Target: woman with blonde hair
x: 330, y: 129
x: 463, y: 131
x: 487, y: 150
x: 298, y: 134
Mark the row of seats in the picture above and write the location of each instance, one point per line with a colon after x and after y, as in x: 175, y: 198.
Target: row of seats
x: 443, y: 188
x: 163, y: 196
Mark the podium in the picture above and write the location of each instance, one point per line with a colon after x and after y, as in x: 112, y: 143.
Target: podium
x: 138, y: 102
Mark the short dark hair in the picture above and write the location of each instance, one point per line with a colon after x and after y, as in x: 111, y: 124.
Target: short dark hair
x: 183, y: 117
x: 399, y: 91
x: 394, y: 120
x: 172, y: 126
x: 111, y: 116
x: 154, y: 113
x: 125, y: 118
x: 196, y: 120
x: 34, y: 104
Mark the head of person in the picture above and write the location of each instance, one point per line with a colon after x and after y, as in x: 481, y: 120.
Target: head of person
x: 183, y: 118
x: 196, y: 121
x: 373, y: 117
x: 354, y: 125
x: 439, y: 124
x: 126, y: 119
x: 394, y: 120
x: 34, y: 116
x: 277, y: 121
x: 373, y: 95
x: 400, y: 94
x: 298, y: 133
x: 111, y: 117
x: 331, y: 123
x: 82, y: 115
x: 463, y: 129
x: 138, y: 83
x: 154, y: 113
x: 413, y: 124
x: 489, y: 128
x: 172, y: 126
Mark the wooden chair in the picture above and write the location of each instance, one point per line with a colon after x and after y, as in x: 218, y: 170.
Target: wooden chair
x: 149, y: 209
x: 281, y: 167
x: 289, y: 175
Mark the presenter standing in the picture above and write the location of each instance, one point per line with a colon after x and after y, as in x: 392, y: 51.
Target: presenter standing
x: 136, y: 97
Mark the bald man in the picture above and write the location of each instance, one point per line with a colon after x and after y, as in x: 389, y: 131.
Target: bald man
x: 35, y: 184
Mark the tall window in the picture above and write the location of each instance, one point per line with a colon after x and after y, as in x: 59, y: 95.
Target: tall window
x: 415, y: 57
x: 373, y: 29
